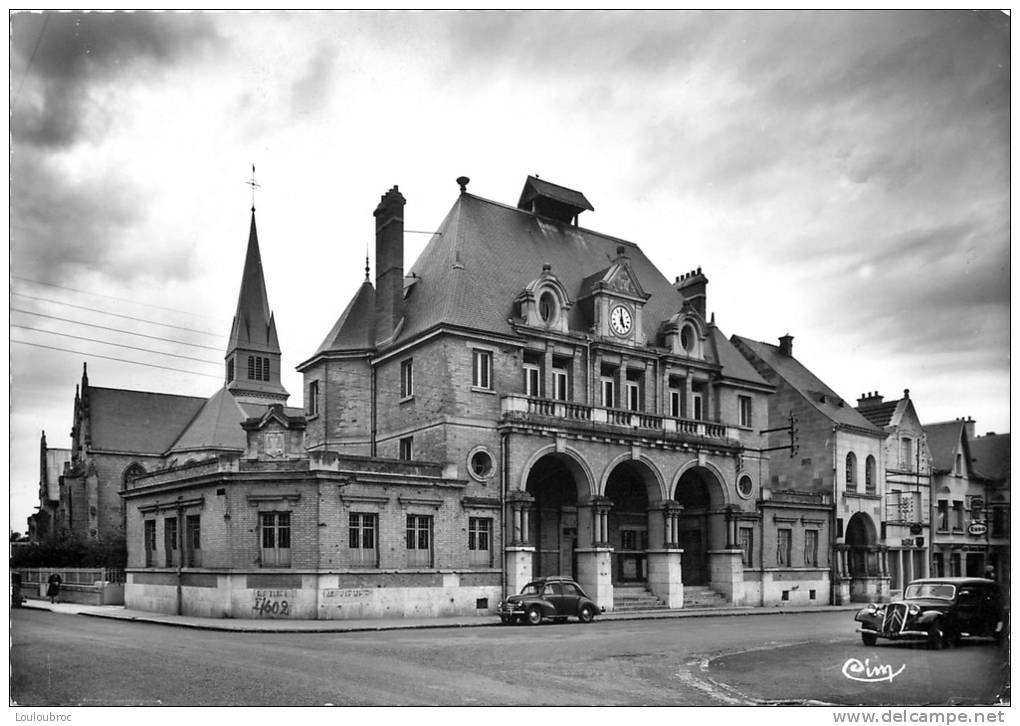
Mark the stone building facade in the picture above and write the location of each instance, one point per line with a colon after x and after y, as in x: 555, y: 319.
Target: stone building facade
x: 906, y: 520
x: 838, y: 455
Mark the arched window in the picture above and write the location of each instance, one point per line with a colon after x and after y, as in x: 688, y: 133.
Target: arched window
x: 134, y: 470
x: 851, y: 471
x: 869, y: 474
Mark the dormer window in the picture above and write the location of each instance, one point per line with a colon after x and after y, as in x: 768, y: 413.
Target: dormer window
x: 548, y: 307
x: 683, y: 336
x: 544, y: 302
x: 687, y: 338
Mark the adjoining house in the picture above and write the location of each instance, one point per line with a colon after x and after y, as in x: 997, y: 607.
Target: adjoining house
x: 906, y: 521
x: 51, y: 519
x: 970, y: 493
x: 839, y: 455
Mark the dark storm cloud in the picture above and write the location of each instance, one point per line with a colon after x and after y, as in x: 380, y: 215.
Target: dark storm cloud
x: 59, y: 60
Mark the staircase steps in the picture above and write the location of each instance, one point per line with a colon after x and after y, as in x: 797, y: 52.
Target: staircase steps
x: 700, y: 596
x: 630, y: 597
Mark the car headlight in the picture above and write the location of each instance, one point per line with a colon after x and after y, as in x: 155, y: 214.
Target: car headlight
x: 913, y: 609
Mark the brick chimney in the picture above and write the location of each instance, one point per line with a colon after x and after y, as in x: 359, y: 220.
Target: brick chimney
x: 389, y: 263
x: 786, y: 345
x: 968, y: 424
x: 870, y: 400
x: 692, y: 286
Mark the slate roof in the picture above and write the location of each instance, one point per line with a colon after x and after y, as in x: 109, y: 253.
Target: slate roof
x: 812, y: 388
x: 138, y: 421
x: 217, y: 426
x: 991, y: 456
x: 942, y: 442
x: 485, y: 253
x: 355, y: 328
x: 880, y: 415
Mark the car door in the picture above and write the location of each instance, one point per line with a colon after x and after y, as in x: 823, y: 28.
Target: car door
x: 553, y: 594
x: 571, y: 603
x: 968, y: 609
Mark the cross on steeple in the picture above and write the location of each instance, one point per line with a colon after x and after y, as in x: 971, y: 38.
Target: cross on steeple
x: 254, y: 185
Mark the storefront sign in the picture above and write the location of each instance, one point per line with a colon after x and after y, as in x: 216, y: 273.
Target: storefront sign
x: 977, y: 528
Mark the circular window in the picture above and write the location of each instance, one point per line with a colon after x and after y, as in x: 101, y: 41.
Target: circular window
x: 687, y: 338
x: 480, y: 464
x: 745, y: 486
x: 547, y: 307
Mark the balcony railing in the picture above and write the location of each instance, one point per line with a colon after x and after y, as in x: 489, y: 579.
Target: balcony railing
x: 517, y: 406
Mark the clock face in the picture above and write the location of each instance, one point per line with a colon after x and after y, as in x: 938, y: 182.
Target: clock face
x: 620, y: 320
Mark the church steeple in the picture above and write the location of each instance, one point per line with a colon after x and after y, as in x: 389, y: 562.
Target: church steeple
x: 253, y: 350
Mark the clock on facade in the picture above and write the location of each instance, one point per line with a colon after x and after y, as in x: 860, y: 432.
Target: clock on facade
x: 620, y: 320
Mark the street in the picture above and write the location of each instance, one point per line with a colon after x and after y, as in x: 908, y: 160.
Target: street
x: 73, y: 660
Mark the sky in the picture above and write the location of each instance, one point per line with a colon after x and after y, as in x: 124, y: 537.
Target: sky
x: 841, y: 176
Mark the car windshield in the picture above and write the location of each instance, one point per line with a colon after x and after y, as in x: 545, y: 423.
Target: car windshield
x: 938, y: 590
x: 532, y: 588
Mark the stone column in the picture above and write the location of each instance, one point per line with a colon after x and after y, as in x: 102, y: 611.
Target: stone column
x: 594, y: 563
x: 688, y: 411
x: 518, y: 554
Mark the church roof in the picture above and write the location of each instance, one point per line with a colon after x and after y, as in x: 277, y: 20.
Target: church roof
x: 812, y: 388
x: 217, y: 426
x: 254, y: 327
x: 138, y: 421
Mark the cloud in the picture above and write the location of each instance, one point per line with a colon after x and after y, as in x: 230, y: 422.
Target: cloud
x: 310, y: 92
x: 63, y: 59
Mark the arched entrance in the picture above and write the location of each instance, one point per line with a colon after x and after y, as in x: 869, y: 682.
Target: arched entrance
x: 627, y: 487
x: 700, y: 493
x: 861, y: 538
x: 553, y: 482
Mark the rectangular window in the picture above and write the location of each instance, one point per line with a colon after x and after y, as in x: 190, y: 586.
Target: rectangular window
x: 406, y: 378
x: 958, y: 516
x: 811, y: 548
x: 419, y: 540
x: 150, y: 542
x: 532, y: 380
x: 674, y: 403
x: 744, y: 405
x: 938, y: 565
x: 559, y: 381
x: 230, y: 370
x: 193, y: 540
x: 405, y: 448
x: 170, y: 540
x: 954, y: 564
x: 608, y: 392
x: 482, y: 369
x: 251, y: 368
x: 265, y: 369
x: 362, y: 529
x: 275, y: 536
x: 698, y: 407
x: 313, y: 398
x: 480, y: 541
x: 633, y: 396
x: 942, y: 516
x: 784, y: 540
x: 907, y: 454
x: 258, y: 367
x: 746, y: 546
x: 998, y: 521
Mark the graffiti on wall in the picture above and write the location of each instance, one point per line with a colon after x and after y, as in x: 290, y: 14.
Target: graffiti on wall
x: 339, y: 597
x: 273, y: 603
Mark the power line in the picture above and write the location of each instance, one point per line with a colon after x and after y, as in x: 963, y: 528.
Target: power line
x: 115, y: 330
x: 117, y: 315
x: 120, y: 360
x: 112, y: 297
x: 118, y: 345
x: 42, y: 31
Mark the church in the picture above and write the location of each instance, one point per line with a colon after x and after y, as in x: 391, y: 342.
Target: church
x: 529, y: 397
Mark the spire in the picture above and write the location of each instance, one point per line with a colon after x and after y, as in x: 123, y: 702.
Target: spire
x: 253, y: 350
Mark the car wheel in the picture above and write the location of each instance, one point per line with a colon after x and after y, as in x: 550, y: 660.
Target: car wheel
x: 936, y: 638
x: 505, y: 619
x: 586, y: 614
x: 534, y: 615
x: 869, y: 639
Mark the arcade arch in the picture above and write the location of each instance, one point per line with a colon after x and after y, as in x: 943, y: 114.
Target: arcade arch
x: 702, y: 525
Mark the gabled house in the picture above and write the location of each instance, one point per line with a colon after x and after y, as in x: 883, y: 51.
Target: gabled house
x: 837, y: 454
x: 906, y: 521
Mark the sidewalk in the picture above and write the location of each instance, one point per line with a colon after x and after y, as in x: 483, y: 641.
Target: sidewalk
x: 253, y: 625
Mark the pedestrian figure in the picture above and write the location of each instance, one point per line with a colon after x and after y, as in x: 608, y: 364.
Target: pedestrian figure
x: 53, y: 590
x: 990, y: 573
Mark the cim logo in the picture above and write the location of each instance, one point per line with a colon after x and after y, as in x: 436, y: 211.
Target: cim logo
x: 865, y: 672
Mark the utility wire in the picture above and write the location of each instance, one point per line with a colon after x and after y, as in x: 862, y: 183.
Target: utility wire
x: 116, y: 330
x: 118, y: 345
x: 112, y: 297
x: 117, y: 315
x: 120, y: 360
x: 24, y: 75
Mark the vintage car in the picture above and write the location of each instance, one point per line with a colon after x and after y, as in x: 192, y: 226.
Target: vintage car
x: 938, y: 610
x: 555, y: 598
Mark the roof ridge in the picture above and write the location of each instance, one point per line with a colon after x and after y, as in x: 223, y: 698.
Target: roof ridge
x: 93, y: 389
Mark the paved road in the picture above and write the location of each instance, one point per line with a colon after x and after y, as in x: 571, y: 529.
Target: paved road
x: 75, y: 660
